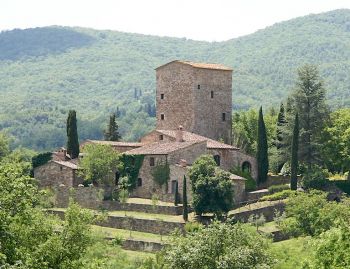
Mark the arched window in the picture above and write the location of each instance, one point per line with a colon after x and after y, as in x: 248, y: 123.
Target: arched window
x: 217, y: 159
x: 246, y: 167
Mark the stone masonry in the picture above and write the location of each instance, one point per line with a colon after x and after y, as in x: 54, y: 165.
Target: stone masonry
x: 196, y: 96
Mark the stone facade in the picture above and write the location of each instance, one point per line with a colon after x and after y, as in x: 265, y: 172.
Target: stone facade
x: 55, y: 173
x: 198, y: 97
x: 149, y: 187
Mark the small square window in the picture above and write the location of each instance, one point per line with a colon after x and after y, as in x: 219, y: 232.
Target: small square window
x: 162, y: 96
x: 162, y: 116
x: 151, y: 161
x: 223, y: 116
x: 161, y: 137
x: 198, y: 87
x: 211, y: 94
x: 139, y: 182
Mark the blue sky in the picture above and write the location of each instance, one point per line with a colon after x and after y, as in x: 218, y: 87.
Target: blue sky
x: 195, y: 19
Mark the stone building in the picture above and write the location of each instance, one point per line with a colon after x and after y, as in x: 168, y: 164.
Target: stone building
x: 61, y: 170
x: 194, y: 104
x: 196, y: 96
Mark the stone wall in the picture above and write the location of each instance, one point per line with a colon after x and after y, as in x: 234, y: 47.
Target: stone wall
x: 53, y: 174
x: 176, y: 82
x: 268, y: 212
x: 91, y: 197
x: 208, y: 111
x: 136, y: 224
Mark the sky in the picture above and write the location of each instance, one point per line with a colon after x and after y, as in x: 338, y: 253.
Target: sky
x: 210, y: 20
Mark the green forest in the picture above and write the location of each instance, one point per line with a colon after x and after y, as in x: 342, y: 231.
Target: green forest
x: 45, y: 72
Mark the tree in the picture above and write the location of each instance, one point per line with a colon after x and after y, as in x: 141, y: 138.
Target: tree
x: 309, y: 101
x: 72, y: 135
x: 336, y: 142
x: 112, y: 133
x: 262, y: 150
x: 184, y: 199
x: 31, y: 237
x: 211, y: 186
x: 219, y: 246
x: 281, y: 137
x: 176, y: 194
x: 100, y: 163
x: 294, y: 160
x: 4, y: 145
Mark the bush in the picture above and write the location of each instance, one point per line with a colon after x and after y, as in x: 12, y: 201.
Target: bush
x: 316, y: 178
x: 250, y: 183
x: 191, y: 227
x: 279, y: 195
x: 344, y: 185
x: 278, y: 188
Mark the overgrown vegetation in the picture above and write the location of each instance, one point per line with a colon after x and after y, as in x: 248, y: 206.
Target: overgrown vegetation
x: 131, y: 168
x: 161, y: 173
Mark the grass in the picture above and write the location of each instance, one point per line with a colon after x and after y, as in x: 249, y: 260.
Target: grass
x: 291, y: 253
x: 139, y: 215
x: 269, y: 227
x: 147, y: 202
x: 253, y: 206
x: 125, y: 234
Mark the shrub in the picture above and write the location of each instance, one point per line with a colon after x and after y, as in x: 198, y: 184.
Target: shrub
x: 191, y: 227
x: 344, y: 185
x: 250, y: 183
x: 117, y: 240
x: 277, y: 188
x: 279, y: 195
x: 316, y: 178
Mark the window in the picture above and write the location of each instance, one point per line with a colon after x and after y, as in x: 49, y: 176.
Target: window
x: 211, y: 94
x: 162, y: 116
x: 139, y: 182
x: 198, y: 87
x: 61, y: 168
x: 151, y: 161
x: 162, y: 96
x: 223, y: 116
x: 217, y: 159
x: 173, y: 186
x: 161, y: 137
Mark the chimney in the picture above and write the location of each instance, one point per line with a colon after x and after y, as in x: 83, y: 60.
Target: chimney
x: 179, y: 134
x: 60, y: 155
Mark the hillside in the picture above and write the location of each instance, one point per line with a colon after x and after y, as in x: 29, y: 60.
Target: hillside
x: 44, y: 72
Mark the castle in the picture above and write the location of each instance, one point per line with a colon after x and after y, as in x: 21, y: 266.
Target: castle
x: 194, y: 114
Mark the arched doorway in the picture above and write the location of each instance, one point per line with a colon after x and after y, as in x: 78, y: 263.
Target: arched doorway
x: 217, y: 159
x: 246, y: 167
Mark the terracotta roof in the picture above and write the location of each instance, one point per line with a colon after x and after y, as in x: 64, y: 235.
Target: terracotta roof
x: 160, y: 148
x: 201, y: 65
x: 116, y: 143
x: 187, y: 136
x: 68, y: 164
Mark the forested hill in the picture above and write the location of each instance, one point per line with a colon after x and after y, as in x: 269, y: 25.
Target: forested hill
x: 44, y: 72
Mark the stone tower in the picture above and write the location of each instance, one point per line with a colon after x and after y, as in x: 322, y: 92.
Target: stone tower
x: 197, y: 96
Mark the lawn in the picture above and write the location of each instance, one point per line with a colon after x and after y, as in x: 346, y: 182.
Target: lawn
x: 292, y: 253
x: 125, y: 234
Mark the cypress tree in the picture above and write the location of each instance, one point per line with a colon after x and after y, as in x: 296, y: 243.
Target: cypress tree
x: 184, y: 198
x: 294, y: 160
x: 112, y: 133
x: 176, y: 197
x: 72, y: 135
x: 262, y: 150
x: 281, y: 137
